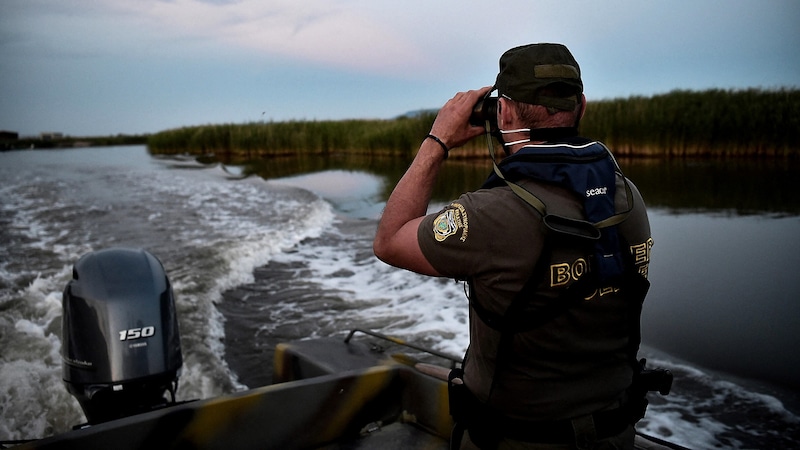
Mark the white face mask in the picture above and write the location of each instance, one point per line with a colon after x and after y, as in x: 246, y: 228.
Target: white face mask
x: 518, y: 130
x: 500, y: 133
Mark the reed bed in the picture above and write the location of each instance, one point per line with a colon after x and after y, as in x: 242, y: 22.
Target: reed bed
x: 712, y: 123
x: 397, y: 137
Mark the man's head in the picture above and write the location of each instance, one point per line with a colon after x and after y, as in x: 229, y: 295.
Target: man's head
x: 541, y: 74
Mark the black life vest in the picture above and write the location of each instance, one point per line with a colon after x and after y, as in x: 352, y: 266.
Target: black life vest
x: 585, y: 168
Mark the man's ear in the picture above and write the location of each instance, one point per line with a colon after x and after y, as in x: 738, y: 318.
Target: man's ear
x: 583, y: 107
x: 504, y: 115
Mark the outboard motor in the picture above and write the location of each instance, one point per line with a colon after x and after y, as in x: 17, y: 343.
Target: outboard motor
x: 120, y: 342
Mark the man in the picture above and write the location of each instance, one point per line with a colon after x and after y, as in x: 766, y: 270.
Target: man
x: 555, y: 248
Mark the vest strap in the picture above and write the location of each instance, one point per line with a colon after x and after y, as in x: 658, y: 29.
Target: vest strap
x: 541, y: 208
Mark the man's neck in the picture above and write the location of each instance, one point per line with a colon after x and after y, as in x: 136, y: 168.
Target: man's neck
x: 544, y: 135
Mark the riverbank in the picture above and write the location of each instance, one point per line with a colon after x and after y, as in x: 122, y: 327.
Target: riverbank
x: 713, y: 123
x: 48, y: 141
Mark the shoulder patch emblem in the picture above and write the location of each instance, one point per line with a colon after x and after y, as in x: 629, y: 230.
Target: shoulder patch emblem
x: 450, y: 221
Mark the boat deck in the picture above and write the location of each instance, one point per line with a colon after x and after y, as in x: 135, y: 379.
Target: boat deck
x: 328, y: 395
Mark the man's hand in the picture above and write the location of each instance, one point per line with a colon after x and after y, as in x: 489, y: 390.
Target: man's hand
x: 452, y: 123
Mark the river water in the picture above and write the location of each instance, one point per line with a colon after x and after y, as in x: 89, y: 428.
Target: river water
x: 255, y: 260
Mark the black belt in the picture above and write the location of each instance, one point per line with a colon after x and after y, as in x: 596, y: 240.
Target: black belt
x: 606, y: 423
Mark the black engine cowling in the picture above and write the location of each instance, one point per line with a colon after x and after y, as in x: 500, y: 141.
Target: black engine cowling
x: 120, y: 341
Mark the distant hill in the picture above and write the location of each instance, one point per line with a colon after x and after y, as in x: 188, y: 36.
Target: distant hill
x: 419, y: 112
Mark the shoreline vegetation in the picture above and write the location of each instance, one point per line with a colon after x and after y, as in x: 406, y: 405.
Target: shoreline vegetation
x: 712, y: 124
x: 49, y: 142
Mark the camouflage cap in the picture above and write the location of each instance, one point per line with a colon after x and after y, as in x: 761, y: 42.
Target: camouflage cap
x: 525, y: 70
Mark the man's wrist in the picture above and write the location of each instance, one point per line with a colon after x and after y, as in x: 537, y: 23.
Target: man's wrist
x: 441, y: 144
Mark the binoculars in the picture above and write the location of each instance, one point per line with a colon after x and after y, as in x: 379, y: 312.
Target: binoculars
x: 485, y: 109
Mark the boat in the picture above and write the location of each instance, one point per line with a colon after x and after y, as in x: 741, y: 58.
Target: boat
x: 327, y: 393
x: 365, y: 390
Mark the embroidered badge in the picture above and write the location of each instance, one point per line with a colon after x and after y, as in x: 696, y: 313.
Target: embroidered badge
x: 445, y: 225
x: 449, y: 221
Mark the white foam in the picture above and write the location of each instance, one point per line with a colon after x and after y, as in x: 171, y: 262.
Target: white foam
x: 245, y: 223
x: 26, y: 387
x: 698, y: 412
x: 697, y: 433
x: 418, y: 307
x: 210, y: 232
x: 32, y: 394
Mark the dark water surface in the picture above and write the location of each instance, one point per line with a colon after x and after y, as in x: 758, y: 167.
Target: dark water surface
x: 727, y: 247
x: 287, y: 254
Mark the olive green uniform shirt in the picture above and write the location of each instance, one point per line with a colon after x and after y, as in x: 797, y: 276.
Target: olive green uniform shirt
x: 578, y: 362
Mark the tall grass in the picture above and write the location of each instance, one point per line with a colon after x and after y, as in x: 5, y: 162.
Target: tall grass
x: 717, y: 123
x: 397, y: 137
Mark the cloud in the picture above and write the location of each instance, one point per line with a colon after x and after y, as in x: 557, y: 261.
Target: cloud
x: 148, y: 64
x: 333, y: 34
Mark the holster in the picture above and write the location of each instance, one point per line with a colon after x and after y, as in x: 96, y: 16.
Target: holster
x: 645, y: 380
x: 470, y: 414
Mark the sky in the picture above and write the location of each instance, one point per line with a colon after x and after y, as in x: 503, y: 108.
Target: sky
x: 100, y: 68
